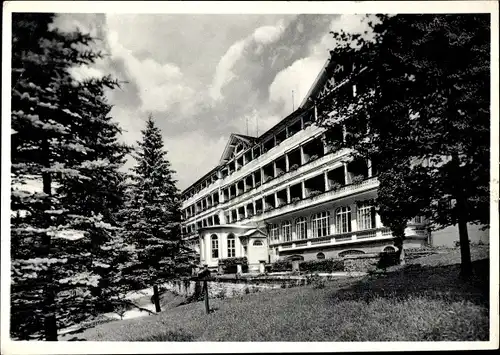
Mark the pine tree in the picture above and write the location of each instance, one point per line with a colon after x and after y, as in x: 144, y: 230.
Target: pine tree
x: 422, y: 113
x: 62, y: 138
x: 153, y: 213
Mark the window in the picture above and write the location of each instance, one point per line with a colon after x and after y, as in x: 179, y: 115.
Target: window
x: 343, y: 220
x: 389, y: 249
x: 286, y: 231
x: 320, y: 256
x: 258, y: 243
x: 301, y: 227
x: 215, y: 246
x: 345, y: 253
x: 366, y: 217
x: 321, y: 224
x: 274, y: 232
x: 231, y: 246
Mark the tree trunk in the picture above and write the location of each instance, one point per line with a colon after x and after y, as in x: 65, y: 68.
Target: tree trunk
x: 398, y: 243
x: 462, y: 213
x: 156, y: 297
x: 466, y: 264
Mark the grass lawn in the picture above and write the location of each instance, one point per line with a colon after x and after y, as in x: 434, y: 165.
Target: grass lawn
x: 422, y: 301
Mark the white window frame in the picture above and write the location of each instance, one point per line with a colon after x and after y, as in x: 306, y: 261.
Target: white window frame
x: 286, y: 231
x: 343, y: 219
x: 274, y: 232
x: 301, y: 228
x: 364, y: 217
x: 320, y: 224
x: 231, y: 246
x: 214, y: 243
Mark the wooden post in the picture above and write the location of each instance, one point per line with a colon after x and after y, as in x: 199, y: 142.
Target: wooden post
x: 205, y: 291
x: 156, y: 298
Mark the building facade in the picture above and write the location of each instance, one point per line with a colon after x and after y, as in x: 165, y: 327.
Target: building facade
x: 289, y: 193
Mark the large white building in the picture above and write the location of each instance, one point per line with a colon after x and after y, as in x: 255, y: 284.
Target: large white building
x: 289, y: 194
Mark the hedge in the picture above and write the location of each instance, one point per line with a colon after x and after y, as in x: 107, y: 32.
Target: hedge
x: 229, y: 264
x: 325, y: 265
x: 281, y: 265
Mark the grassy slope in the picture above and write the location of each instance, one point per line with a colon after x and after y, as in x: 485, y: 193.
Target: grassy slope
x: 422, y: 301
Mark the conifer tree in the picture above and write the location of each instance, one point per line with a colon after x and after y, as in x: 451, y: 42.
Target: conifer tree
x: 153, y: 212
x: 63, y: 139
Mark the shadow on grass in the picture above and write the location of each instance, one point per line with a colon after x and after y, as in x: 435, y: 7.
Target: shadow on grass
x: 432, y: 282
x: 168, y: 336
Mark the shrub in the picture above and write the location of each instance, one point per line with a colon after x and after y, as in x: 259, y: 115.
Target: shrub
x: 357, y: 179
x: 281, y: 265
x: 281, y: 173
x: 229, y: 264
x: 307, y: 124
x: 294, y: 167
x: 388, y: 259
x: 314, y: 193
x: 335, y: 185
x: 313, y: 157
x: 258, y: 212
x: 269, y: 208
x: 325, y: 265
x: 295, y: 199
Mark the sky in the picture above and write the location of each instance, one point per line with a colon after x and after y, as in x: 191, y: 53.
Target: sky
x: 203, y: 77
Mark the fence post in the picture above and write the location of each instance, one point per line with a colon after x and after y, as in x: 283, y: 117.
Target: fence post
x: 156, y: 298
x: 205, y: 291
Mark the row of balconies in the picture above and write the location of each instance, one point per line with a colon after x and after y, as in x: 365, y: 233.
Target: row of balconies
x: 338, y: 179
x: 253, y: 153
x: 289, y: 162
x: 257, y: 213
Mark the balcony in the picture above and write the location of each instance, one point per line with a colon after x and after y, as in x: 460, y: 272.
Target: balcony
x: 334, y: 239
x: 290, y: 175
x: 365, y: 185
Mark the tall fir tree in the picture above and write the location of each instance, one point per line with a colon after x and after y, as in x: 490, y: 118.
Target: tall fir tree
x: 153, y: 213
x: 63, y: 139
x: 421, y: 112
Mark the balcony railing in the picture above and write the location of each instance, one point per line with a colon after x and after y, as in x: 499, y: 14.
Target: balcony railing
x: 287, y: 176
x: 346, y: 190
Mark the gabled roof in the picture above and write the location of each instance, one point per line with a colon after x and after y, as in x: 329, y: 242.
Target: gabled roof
x: 234, y: 140
x: 317, y: 85
x: 253, y: 231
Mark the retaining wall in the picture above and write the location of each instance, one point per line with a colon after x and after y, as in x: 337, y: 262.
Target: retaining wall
x: 231, y: 287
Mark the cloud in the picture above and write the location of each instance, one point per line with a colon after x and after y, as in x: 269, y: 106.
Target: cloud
x: 298, y: 77
x: 83, y: 72
x: 205, y: 76
x: 264, y: 35
x: 159, y: 85
x: 223, y: 73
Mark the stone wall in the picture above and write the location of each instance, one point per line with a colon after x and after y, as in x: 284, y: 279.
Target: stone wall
x: 224, y: 288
